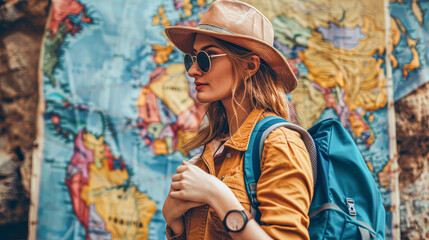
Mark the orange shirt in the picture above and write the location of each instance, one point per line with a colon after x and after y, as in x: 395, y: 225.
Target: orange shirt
x: 284, y: 190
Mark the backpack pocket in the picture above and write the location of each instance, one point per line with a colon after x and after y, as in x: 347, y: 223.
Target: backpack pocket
x: 333, y: 224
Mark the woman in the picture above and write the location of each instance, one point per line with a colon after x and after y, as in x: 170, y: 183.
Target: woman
x: 241, y: 78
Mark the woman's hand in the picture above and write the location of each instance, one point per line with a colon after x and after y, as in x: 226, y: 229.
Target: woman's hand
x: 173, y: 210
x: 193, y: 184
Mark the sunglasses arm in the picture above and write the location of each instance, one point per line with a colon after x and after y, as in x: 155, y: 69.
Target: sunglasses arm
x: 217, y: 55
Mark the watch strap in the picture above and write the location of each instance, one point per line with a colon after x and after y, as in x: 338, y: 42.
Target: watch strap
x: 248, y: 215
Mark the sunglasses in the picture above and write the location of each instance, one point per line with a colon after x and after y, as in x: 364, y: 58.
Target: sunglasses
x: 203, y: 60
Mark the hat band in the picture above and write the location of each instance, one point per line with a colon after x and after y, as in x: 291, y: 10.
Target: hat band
x: 213, y: 28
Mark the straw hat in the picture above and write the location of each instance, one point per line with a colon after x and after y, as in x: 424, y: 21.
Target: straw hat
x: 243, y: 25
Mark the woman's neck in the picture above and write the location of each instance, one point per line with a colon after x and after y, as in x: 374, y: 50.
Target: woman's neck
x: 237, y: 117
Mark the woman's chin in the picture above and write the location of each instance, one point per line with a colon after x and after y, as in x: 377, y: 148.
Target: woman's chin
x: 203, y: 98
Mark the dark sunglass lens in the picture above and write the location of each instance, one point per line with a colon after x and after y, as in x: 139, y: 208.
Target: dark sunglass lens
x: 203, y: 61
x: 188, y: 61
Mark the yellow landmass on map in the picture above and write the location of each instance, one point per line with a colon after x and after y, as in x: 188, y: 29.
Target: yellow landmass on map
x: 201, y: 2
x: 172, y: 88
x: 161, y: 18
x: 319, y: 13
x: 101, y: 179
x: 395, y: 37
x: 414, y: 63
x: 125, y: 211
x: 160, y: 147
x: 394, y: 61
x: 96, y: 145
x: 385, y: 176
x: 162, y: 53
x: 370, y: 167
x: 187, y: 7
x: 411, y: 42
x: 141, y: 101
x: 356, y: 71
x: 401, y: 26
x: 310, y: 103
x: 417, y: 11
x: 357, y: 124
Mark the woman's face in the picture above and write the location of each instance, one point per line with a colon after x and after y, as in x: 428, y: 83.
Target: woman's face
x: 217, y: 83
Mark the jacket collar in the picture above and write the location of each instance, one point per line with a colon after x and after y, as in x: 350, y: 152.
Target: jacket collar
x: 240, y: 139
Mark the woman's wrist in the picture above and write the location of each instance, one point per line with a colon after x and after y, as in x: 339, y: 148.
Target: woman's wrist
x: 223, y: 200
x: 217, y: 187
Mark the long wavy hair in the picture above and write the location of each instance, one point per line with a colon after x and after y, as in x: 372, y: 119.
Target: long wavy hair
x: 262, y: 90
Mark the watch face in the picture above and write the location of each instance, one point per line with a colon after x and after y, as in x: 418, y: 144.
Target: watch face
x: 235, y: 221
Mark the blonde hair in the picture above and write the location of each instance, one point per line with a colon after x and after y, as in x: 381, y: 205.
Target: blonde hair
x: 262, y: 90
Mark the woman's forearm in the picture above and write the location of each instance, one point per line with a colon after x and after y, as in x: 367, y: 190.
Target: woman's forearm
x: 223, y: 200
x: 226, y: 201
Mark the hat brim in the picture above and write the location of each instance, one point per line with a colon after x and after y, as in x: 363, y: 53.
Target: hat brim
x: 183, y: 38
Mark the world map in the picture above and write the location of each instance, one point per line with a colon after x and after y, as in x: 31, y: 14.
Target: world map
x: 119, y: 104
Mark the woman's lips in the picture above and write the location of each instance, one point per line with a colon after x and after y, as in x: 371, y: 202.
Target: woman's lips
x: 198, y: 86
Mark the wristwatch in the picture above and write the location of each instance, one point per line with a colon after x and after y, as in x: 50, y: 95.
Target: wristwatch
x: 236, y: 220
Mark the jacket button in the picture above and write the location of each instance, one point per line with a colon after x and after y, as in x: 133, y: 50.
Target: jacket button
x: 228, y: 155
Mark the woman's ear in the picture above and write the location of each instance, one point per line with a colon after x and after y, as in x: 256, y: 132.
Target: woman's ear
x: 253, y: 65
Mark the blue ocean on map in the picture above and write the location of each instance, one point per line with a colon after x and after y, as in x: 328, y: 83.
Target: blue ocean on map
x: 416, y: 30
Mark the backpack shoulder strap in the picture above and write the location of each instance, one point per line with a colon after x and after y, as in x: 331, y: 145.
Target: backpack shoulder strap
x: 253, y: 155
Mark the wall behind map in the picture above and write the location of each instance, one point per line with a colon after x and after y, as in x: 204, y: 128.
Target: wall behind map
x: 412, y: 124
x: 20, y: 35
x: 22, y: 25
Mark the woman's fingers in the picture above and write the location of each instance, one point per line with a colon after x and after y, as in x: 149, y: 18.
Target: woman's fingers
x: 181, y: 168
x: 177, y: 195
x: 176, y: 186
x: 185, y: 166
x: 176, y: 177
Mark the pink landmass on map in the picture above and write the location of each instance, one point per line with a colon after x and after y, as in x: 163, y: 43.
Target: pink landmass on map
x: 77, y: 178
x: 191, y: 118
x: 149, y: 110
x: 61, y: 9
x: 111, y: 159
x: 191, y: 23
x: 292, y: 63
x: 75, y: 185
x: 157, y: 74
x: 82, y: 156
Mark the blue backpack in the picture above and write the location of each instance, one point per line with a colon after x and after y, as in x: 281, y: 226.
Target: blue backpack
x: 347, y: 203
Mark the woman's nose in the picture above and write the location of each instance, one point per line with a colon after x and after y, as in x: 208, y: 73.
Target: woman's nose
x: 194, y: 70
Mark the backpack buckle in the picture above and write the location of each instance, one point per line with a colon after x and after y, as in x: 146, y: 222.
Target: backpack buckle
x: 254, y: 200
x: 351, y: 207
x: 252, y: 187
